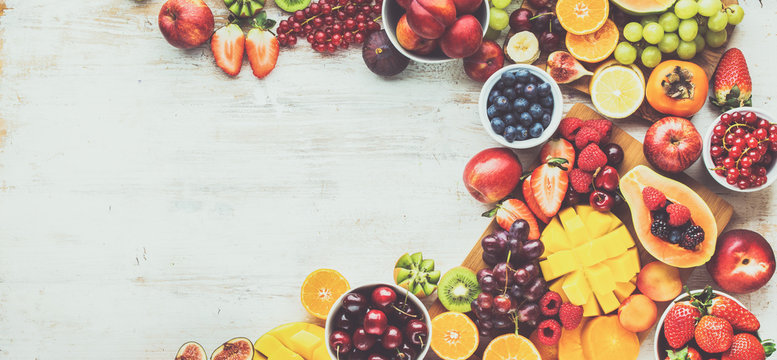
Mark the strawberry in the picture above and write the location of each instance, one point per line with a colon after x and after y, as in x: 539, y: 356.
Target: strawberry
x: 713, y: 334
x: 228, y: 45
x: 580, y: 180
x: 653, y: 198
x: 679, y: 323
x: 678, y: 214
x: 570, y: 315
x: 602, y: 126
x: 686, y: 353
x: 557, y: 148
x: 568, y: 127
x: 513, y: 209
x: 262, y: 46
x: 740, y: 318
x: 531, y: 201
x: 591, y: 158
x: 731, y: 83
x: 587, y: 135
x: 745, y: 346
x: 549, y: 184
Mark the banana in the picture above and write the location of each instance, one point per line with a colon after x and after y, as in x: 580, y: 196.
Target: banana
x: 523, y: 48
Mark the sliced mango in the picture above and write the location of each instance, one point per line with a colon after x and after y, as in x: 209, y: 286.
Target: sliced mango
x: 591, y: 307
x: 576, y: 287
x: 556, y: 287
x: 624, y: 290
x: 292, y: 341
x: 607, y: 301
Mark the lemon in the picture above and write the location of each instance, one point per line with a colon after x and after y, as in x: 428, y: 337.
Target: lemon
x: 617, y: 91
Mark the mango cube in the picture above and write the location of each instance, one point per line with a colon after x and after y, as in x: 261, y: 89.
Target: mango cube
x: 584, y: 211
x: 633, y: 260
x: 577, y: 233
x: 591, y: 307
x: 272, y: 347
x: 621, y: 267
x: 558, y: 264
x: 587, y: 255
x: 612, y: 243
x: 598, y: 224
x: 556, y: 287
x: 304, y: 343
x: 599, y: 278
x: 607, y: 301
x: 554, y: 238
x: 624, y: 290
x: 576, y: 287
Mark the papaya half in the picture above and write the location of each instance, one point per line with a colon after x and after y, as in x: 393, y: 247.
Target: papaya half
x: 631, y: 185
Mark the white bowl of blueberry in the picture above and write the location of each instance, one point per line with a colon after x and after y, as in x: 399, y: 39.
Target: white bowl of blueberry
x: 520, y: 106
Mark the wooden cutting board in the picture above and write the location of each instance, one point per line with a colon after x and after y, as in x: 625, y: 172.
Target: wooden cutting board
x: 633, y: 156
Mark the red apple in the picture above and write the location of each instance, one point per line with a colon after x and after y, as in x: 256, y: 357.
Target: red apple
x: 405, y: 4
x: 672, y: 144
x: 463, y: 38
x: 430, y: 18
x: 492, y: 174
x: 186, y: 23
x: 743, y: 261
x: 466, y: 6
x: 412, y: 42
x: 485, y: 61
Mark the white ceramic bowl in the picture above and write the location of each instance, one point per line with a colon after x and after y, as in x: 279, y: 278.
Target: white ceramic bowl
x: 330, y: 328
x: 771, y: 176
x: 659, y: 350
x: 555, y: 118
x: 391, y: 13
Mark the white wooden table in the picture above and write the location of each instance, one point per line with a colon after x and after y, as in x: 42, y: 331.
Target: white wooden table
x: 147, y: 199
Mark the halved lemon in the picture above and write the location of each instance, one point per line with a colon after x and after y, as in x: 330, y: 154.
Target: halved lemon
x: 321, y: 289
x: 617, y: 91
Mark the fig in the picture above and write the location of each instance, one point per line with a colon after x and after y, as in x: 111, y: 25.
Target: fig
x: 191, y: 351
x: 238, y: 348
x: 564, y: 68
x: 381, y: 56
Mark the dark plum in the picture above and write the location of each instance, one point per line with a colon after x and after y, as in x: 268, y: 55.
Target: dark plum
x: 520, y: 20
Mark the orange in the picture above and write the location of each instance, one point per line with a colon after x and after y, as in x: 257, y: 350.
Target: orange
x: 594, y: 47
x: 511, y: 347
x: 582, y: 17
x: 320, y: 291
x: 454, y: 336
x: 604, y: 338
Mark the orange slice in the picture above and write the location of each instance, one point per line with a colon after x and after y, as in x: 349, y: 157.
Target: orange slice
x: 320, y: 291
x: 582, y: 17
x: 594, y: 47
x: 511, y: 347
x: 454, y: 336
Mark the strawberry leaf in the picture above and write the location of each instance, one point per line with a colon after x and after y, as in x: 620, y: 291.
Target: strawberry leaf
x: 490, y: 213
x: 262, y: 22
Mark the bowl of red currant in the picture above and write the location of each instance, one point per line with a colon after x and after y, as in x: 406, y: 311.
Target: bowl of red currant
x: 378, y: 322
x: 740, y: 149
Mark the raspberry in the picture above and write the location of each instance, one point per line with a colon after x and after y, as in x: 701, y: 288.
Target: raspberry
x: 568, y: 127
x: 550, y: 303
x: 591, y: 158
x: 602, y: 126
x: 581, y: 181
x: 692, y: 236
x: 549, y: 331
x: 587, y: 135
x: 653, y: 198
x: 570, y: 315
x: 678, y: 214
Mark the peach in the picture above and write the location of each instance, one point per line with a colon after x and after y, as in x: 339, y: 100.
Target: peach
x: 463, y: 38
x: 637, y: 313
x: 467, y: 7
x: 412, y: 42
x: 430, y: 18
x: 659, y: 281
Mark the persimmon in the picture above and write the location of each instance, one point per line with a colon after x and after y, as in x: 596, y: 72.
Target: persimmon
x: 677, y: 88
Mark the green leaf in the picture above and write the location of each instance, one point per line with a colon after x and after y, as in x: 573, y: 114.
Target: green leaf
x: 262, y: 22
x: 769, y: 347
x: 490, y: 213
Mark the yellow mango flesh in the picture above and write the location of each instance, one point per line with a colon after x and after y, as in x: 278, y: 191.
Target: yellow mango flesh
x: 293, y: 341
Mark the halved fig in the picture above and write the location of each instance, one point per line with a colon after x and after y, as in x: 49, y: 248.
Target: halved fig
x: 191, y: 351
x: 238, y: 348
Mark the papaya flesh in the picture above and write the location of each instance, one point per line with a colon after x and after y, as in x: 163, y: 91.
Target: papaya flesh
x: 631, y: 185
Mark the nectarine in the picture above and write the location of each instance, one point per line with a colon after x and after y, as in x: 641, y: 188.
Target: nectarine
x: 637, y: 313
x: 659, y: 281
x: 464, y: 7
x: 463, y: 38
x: 408, y: 39
x: 430, y: 18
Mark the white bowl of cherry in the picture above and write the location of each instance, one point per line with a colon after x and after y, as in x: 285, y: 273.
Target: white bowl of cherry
x: 378, y: 322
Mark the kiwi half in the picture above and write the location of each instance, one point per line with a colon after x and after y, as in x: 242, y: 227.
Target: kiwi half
x: 292, y: 5
x: 457, y: 288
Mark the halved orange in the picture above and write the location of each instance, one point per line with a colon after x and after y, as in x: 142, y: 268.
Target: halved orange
x: 511, y: 347
x: 594, y: 47
x: 454, y: 336
x: 582, y: 17
x: 321, y: 289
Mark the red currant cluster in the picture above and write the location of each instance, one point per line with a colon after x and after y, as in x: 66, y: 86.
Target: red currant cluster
x: 743, y: 147
x: 329, y: 24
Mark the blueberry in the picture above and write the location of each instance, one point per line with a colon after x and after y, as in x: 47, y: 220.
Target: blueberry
x: 498, y: 125
x: 502, y: 104
x: 518, y: 89
x: 520, y: 105
x: 510, y: 133
x: 522, y: 76
x: 535, y: 110
x: 546, y: 101
x: 543, y: 89
x: 525, y: 119
x: 508, y: 78
x: 522, y: 133
x: 492, y: 112
x: 675, y: 236
x: 509, y: 93
x: 492, y: 96
x: 499, y: 85
x: 536, y: 130
x: 545, y: 120
x: 530, y: 92
x: 510, y: 119
x: 536, y: 80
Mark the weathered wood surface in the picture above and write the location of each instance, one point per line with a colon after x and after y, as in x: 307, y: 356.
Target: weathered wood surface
x: 147, y: 199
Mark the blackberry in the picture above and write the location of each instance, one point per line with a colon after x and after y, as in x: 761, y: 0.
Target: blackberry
x: 675, y: 236
x: 660, y: 229
x: 692, y: 236
x: 660, y: 215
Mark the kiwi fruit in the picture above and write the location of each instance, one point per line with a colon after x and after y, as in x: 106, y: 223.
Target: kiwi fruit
x: 292, y: 5
x: 457, y: 288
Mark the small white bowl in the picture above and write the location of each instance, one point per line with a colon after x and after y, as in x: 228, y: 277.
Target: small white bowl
x: 330, y: 327
x: 770, y: 173
x: 657, y: 340
x: 391, y: 12
x: 555, y: 118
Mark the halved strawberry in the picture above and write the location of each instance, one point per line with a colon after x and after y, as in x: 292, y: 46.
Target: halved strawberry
x: 558, y: 148
x: 228, y: 46
x: 549, y: 184
x: 262, y: 46
x: 513, y: 209
x: 528, y: 195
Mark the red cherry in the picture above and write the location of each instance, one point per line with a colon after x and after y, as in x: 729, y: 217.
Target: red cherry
x: 607, y: 179
x: 601, y: 201
x: 375, y: 322
x: 392, y: 338
x: 340, y: 342
x: 362, y: 340
x: 416, y: 332
x: 383, y: 296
